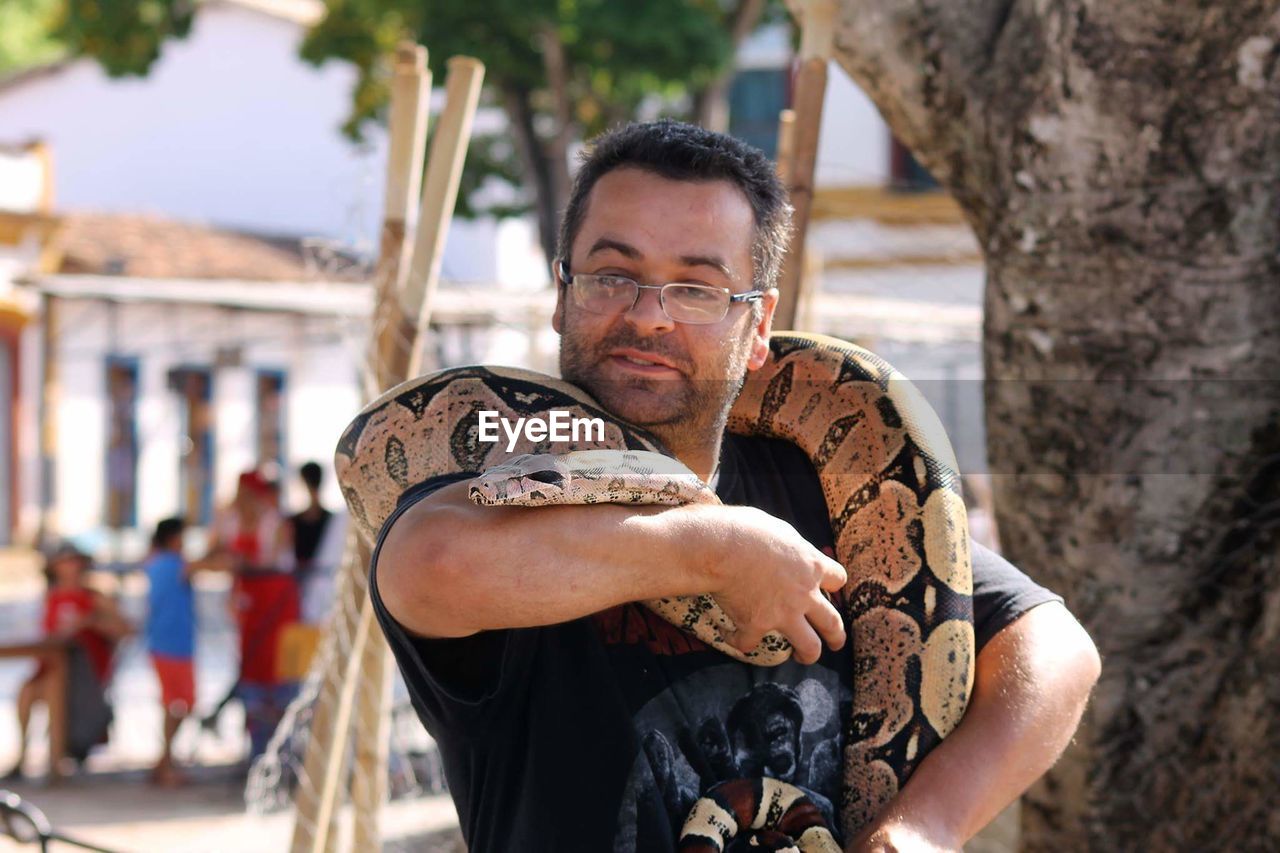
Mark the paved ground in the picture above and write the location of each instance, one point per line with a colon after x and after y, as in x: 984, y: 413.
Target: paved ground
x: 120, y: 812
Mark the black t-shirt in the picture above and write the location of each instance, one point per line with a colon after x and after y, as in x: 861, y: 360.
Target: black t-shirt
x: 600, y: 733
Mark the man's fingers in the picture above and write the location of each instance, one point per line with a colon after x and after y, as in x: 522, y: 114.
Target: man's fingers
x: 804, y: 641
x: 826, y: 620
x: 834, y: 577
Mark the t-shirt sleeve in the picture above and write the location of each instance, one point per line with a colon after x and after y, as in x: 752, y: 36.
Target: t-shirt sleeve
x: 462, y: 682
x: 1001, y: 593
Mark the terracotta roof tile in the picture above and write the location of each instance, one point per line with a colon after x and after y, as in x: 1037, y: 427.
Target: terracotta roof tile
x: 144, y: 246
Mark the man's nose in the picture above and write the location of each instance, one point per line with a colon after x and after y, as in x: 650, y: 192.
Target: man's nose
x: 647, y: 314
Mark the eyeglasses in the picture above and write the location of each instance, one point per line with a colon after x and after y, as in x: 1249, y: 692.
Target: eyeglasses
x: 684, y: 303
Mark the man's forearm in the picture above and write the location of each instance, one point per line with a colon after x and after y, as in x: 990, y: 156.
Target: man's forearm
x: 451, y: 568
x: 1033, y: 683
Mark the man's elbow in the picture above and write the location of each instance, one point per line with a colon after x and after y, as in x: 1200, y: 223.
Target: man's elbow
x: 1046, y: 651
x: 1078, y: 657
x: 1090, y: 661
x: 421, y: 573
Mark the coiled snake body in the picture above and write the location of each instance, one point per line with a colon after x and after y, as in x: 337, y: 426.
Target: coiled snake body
x: 892, y: 490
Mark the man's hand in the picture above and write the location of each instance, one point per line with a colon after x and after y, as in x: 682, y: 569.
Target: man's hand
x: 771, y: 579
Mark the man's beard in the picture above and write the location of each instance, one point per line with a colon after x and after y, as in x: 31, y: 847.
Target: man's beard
x: 681, y: 412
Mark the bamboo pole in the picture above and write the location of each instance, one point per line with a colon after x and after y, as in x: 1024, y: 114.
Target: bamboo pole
x: 391, y: 346
x: 416, y: 280
x: 335, y: 758
x: 410, y: 106
x: 461, y: 99
x: 440, y: 194
x: 806, y: 310
x: 786, y: 145
x: 48, y: 417
x: 410, y: 96
x: 335, y: 648
x: 372, y: 736
x: 817, y: 23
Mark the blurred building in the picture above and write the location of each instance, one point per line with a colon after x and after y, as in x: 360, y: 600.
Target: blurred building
x: 232, y: 128
x: 26, y: 223
x: 895, y: 267
x: 197, y: 302
x: 199, y: 299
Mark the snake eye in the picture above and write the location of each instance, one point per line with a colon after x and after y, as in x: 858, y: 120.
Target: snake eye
x: 550, y: 477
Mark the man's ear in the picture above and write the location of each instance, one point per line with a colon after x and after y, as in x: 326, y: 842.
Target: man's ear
x: 557, y: 316
x: 761, y: 330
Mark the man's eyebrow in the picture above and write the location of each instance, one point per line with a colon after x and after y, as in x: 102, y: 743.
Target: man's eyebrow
x: 605, y: 244
x: 707, y: 261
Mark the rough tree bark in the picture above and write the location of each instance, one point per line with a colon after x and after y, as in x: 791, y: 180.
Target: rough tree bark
x: 1120, y: 166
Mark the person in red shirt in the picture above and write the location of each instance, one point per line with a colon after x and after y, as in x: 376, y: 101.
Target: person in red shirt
x: 84, y: 617
x: 252, y: 541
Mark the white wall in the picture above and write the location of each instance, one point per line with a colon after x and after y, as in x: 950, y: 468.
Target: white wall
x: 22, y: 179
x: 229, y: 127
x: 853, y: 147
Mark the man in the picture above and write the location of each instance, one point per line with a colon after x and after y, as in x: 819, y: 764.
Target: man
x: 569, y: 718
x: 317, y: 542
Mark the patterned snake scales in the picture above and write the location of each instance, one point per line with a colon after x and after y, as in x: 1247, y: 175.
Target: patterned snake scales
x: 892, y: 490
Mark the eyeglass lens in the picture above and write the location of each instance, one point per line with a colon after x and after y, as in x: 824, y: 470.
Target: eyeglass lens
x: 685, y: 303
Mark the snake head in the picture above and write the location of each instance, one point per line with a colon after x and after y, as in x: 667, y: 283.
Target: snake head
x: 530, y: 478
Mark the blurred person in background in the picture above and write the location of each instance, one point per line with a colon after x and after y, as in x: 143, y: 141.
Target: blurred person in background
x: 318, y: 538
x: 251, y: 540
x: 171, y: 630
x: 91, y: 625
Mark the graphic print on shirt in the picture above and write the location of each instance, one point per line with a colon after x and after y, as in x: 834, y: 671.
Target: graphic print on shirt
x: 732, y: 721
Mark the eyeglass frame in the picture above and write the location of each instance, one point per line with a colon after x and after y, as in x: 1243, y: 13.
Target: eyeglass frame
x: 562, y: 271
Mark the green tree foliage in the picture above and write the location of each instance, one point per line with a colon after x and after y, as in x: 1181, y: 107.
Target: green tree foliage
x: 562, y: 70
x: 26, y: 33
x: 125, y: 37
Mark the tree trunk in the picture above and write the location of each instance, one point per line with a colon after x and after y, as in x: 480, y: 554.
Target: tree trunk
x: 1120, y: 166
x: 548, y: 194
x: 557, y: 147
x: 710, y: 107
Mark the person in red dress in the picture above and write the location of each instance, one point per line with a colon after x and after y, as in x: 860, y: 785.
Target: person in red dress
x: 74, y: 612
x: 252, y: 541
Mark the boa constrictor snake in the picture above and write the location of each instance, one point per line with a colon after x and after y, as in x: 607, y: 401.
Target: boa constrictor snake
x: 892, y: 489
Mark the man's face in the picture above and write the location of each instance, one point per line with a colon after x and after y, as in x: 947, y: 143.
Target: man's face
x: 676, y: 379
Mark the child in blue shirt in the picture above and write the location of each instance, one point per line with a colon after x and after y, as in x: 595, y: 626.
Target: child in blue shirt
x: 171, y: 628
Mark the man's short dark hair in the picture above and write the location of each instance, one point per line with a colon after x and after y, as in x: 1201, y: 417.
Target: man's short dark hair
x: 686, y: 152
x: 166, y: 530
x: 311, y: 474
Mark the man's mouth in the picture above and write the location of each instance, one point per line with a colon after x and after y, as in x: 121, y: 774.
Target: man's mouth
x: 636, y: 361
